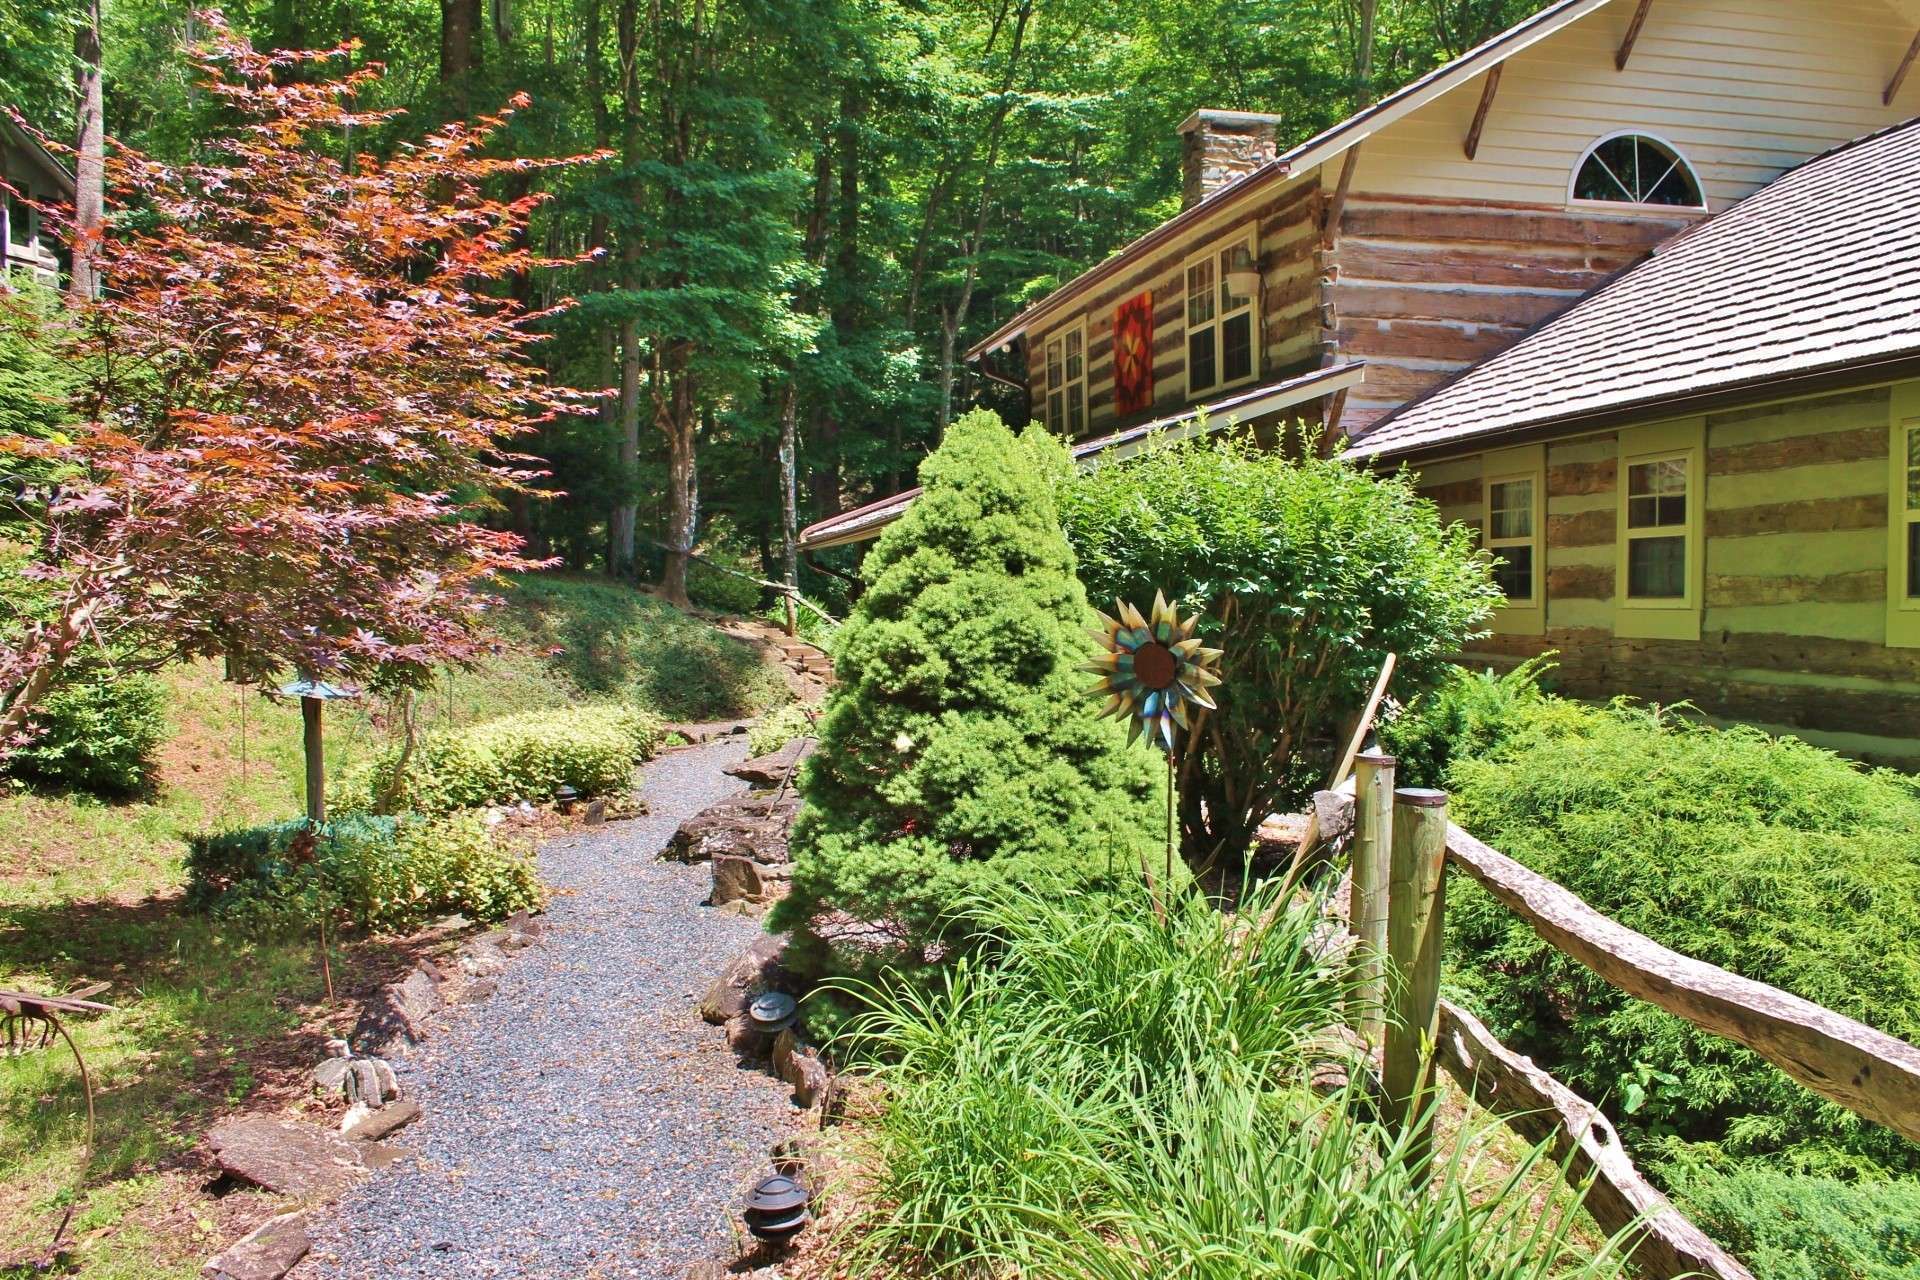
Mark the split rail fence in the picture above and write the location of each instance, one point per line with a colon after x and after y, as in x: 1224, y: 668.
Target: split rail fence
x: 1402, y: 846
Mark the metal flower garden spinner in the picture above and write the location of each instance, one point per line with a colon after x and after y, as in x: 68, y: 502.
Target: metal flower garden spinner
x: 1155, y: 671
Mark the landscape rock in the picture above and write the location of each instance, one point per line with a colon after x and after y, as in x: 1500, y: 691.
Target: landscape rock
x: 754, y: 826
x: 774, y: 768
x: 265, y: 1253
x: 397, y: 1017
x: 337, y: 1048
x: 378, y: 1124
x: 481, y: 958
x: 800, y: 1065
x: 744, y: 1038
x: 596, y: 811
x: 737, y: 878
x: 756, y: 970
x: 330, y: 1076
x: 285, y: 1156
x: 388, y: 1081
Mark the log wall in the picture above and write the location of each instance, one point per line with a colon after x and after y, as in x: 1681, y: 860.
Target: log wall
x: 1289, y: 223
x: 1793, y: 625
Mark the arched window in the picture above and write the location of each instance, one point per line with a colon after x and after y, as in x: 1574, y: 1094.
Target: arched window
x: 1632, y: 168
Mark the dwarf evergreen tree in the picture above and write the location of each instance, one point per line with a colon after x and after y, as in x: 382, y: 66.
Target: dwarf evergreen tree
x: 959, y: 750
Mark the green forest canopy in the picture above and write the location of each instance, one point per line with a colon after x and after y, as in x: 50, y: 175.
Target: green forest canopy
x: 831, y: 197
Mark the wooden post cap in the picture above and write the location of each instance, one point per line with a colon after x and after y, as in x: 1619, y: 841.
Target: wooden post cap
x: 1420, y: 797
x: 1378, y: 759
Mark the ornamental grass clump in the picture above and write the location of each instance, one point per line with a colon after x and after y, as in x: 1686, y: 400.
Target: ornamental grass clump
x: 1116, y: 1086
x: 957, y: 750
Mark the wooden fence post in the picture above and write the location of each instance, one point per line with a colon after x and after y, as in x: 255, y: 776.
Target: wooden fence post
x: 1372, y: 855
x: 1416, y: 905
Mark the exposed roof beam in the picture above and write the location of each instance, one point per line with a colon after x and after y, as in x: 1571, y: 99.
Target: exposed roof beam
x: 1900, y: 73
x: 1491, y: 87
x: 1633, y: 33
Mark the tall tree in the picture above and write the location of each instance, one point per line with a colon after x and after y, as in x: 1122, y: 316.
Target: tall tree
x: 89, y: 174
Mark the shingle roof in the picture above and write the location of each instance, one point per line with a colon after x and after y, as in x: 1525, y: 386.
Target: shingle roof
x: 1816, y: 272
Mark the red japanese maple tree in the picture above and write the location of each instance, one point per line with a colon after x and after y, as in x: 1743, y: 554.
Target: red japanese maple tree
x: 297, y: 397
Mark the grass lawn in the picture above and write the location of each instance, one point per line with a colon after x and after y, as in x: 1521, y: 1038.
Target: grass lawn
x: 209, y: 1021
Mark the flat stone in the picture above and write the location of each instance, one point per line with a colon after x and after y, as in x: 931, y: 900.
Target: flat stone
x: 776, y: 767
x: 752, y: 826
x: 481, y: 958
x: 285, y: 1156
x: 330, y: 1076
x: 378, y: 1124
x: 396, y: 1018
x: 479, y: 989
x: 379, y: 1155
x: 265, y: 1253
x: 742, y: 879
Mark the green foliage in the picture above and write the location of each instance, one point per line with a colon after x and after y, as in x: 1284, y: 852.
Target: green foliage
x: 813, y: 628
x: 957, y: 749
x: 1465, y: 715
x: 1102, y: 1092
x: 777, y: 728
x: 709, y: 588
x: 34, y: 384
x: 98, y: 734
x: 529, y: 757
x: 1788, y: 1226
x: 1768, y: 857
x: 613, y: 642
x: 1307, y: 571
x: 379, y: 872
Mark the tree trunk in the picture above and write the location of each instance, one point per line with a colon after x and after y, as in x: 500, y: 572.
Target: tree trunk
x: 789, y: 493
x: 89, y: 194
x: 460, y: 28
x: 626, y: 515
x: 678, y: 424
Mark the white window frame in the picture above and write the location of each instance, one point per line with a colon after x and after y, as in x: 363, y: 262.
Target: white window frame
x: 1525, y: 616
x: 1903, y: 610
x: 1635, y: 206
x: 1058, y: 394
x: 1215, y: 250
x: 1664, y: 617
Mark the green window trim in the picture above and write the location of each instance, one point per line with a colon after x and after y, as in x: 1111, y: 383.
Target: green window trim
x: 1903, y: 519
x: 1660, y: 569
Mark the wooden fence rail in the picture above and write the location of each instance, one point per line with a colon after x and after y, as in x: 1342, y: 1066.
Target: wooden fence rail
x: 1401, y: 848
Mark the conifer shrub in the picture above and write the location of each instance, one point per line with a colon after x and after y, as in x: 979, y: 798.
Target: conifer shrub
x: 96, y: 733
x: 1774, y: 859
x: 1788, y: 1226
x: 1308, y: 572
x: 529, y: 757
x: 958, y: 751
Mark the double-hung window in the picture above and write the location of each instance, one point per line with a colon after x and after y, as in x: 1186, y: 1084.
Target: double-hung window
x: 1066, y: 355
x: 1909, y: 511
x: 1514, y: 492
x: 1661, y: 550
x: 1223, y: 295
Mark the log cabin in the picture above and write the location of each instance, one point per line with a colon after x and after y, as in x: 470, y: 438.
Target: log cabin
x: 1634, y: 287
x: 33, y: 175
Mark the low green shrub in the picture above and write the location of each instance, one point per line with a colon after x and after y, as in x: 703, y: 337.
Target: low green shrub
x: 1787, y: 1226
x: 529, y: 757
x: 98, y: 734
x: 378, y: 872
x: 711, y: 588
x: 813, y: 628
x: 1766, y: 856
x: 1099, y: 1093
x: 1466, y: 715
x: 779, y: 727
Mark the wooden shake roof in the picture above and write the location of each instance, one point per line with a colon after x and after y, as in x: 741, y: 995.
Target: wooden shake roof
x: 1813, y: 276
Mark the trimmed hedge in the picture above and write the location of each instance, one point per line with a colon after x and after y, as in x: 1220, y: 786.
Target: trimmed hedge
x: 380, y: 872
x: 520, y: 757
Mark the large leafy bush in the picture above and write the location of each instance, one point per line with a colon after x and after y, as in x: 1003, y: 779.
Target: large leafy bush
x: 96, y: 732
x: 957, y: 750
x: 1307, y: 572
x: 529, y: 756
x: 1788, y: 1226
x: 379, y: 872
x: 1766, y: 856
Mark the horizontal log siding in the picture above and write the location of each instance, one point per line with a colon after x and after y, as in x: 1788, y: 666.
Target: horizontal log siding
x: 1796, y: 573
x: 1289, y: 222
x: 1744, y: 88
x: 1423, y: 288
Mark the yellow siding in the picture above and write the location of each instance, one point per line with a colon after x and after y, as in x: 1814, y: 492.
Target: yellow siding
x: 1744, y: 88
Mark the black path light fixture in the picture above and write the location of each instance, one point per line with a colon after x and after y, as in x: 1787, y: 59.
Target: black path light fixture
x: 777, y: 1208
x: 314, y: 695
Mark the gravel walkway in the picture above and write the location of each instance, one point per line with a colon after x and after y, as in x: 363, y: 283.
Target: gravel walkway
x: 582, y: 1121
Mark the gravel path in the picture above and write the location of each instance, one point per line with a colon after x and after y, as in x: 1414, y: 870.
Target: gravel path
x: 582, y: 1121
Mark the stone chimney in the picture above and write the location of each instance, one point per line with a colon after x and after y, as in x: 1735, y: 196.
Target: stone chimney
x: 1219, y: 147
